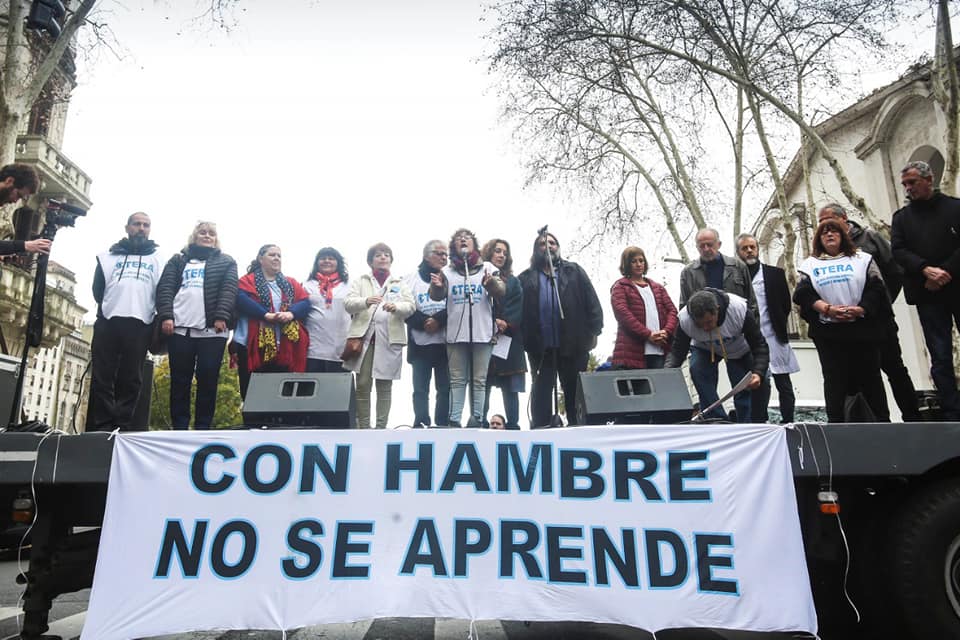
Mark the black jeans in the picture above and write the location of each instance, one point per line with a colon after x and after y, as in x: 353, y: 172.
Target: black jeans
x: 202, y: 356
x: 891, y: 362
x: 760, y: 399
x: 850, y: 368
x: 315, y: 365
x: 118, y: 351
x: 937, y: 321
x: 545, y: 373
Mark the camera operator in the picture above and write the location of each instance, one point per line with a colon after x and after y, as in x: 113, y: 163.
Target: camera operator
x: 18, y: 181
x: 40, y: 245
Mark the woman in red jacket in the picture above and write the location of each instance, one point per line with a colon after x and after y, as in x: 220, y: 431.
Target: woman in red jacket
x: 646, y: 316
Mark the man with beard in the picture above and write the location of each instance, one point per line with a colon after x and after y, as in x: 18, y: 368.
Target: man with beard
x: 773, y: 305
x: 18, y: 181
x: 557, y: 347
x: 891, y: 357
x: 925, y: 236
x: 426, y: 340
x: 124, y: 286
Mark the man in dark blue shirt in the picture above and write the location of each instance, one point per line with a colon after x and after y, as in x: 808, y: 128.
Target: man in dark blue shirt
x: 557, y: 344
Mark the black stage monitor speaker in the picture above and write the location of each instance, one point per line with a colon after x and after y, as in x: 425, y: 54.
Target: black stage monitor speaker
x: 303, y: 400
x: 635, y: 396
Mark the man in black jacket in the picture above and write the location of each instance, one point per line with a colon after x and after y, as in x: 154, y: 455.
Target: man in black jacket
x: 891, y: 357
x: 925, y: 236
x: 557, y: 347
x: 773, y: 305
x: 125, y: 287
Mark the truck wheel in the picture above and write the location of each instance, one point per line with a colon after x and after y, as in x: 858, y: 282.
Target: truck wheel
x: 925, y: 555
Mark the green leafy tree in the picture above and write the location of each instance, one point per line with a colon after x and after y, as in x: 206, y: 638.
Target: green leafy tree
x: 227, y: 413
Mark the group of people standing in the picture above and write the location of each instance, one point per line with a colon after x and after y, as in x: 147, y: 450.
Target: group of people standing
x: 469, y: 323
x: 450, y: 314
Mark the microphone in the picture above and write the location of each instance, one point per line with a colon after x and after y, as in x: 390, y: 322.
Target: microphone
x: 464, y: 252
x: 542, y: 230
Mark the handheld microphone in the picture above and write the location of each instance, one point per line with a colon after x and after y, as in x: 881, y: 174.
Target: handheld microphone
x: 542, y: 230
x: 464, y: 252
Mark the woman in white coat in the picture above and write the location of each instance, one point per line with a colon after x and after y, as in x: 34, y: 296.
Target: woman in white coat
x: 378, y: 303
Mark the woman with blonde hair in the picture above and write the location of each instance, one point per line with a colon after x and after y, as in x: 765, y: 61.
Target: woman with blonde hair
x: 196, y: 307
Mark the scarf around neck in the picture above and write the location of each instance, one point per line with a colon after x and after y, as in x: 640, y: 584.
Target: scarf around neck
x: 381, y: 275
x: 326, y: 284
x: 473, y: 259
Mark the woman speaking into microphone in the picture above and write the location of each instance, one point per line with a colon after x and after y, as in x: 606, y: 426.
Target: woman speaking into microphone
x: 468, y: 284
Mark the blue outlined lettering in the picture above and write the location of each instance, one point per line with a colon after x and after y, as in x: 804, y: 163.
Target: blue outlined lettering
x: 624, y: 473
x: 475, y: 475
x: 305, y: 547
x: 679, y: 473
x: 510, y: 547
x: 570, y: 473
x: 425, y: 531
x: 463, y: 547
x: 251, y: 467
x: 557, y: 553
x: 706, y: 582
x: 188, y: 554
x: 657, y: 577
x: 345, y: 546
x: 198, y: 463
x: 334, y: 475
x: 605, y: 549
x: 540, y: 458
x: 422, y: 465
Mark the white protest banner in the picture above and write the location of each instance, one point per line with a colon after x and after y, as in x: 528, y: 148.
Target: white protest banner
x: 655, y: 527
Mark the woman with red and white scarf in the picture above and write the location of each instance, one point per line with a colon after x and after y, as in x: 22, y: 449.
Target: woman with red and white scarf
x: 379, y: 303
x: 469, y: 286
x: 270, y: 336
x: 328, y: 320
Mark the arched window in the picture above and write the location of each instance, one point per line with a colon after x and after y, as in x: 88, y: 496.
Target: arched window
x: 932, y: 157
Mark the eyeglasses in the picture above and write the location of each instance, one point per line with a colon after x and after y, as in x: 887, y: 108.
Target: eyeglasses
x: 442, y: 254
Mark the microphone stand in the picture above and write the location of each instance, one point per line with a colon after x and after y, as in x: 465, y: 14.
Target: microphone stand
x: 555, y: 419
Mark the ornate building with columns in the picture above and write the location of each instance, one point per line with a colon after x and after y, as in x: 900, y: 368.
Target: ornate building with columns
x: 51, y: 380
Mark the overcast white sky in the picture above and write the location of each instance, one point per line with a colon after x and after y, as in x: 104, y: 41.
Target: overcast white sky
x: 329, y: 123
x: 312, y: 123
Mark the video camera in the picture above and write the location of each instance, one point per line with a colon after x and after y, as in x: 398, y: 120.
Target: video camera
x: 63, y: 214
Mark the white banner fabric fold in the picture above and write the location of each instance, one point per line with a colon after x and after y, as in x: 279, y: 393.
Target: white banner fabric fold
x: 650, y: 526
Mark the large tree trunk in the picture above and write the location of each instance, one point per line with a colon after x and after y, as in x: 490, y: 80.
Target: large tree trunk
x: 9, y: 127
x: 738, y: 168
x: 947, y: 93
x: 24, y: 78
x: 786, y: 214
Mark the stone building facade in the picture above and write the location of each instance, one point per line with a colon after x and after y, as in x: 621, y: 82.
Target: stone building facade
x: 873, y: 139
